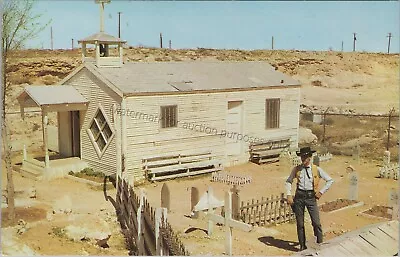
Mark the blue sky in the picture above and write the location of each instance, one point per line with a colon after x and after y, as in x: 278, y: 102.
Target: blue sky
x: 247, y: 25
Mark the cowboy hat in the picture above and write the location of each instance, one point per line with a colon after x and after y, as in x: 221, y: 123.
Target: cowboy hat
x: 305, y: 151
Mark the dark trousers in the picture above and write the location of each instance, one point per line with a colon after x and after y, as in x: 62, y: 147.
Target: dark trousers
x: 307, y: 199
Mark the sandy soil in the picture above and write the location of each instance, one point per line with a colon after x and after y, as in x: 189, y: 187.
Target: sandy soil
x: 89, y: 206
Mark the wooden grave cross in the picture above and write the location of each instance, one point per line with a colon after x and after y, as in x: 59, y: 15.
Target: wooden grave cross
x: 228, y: 222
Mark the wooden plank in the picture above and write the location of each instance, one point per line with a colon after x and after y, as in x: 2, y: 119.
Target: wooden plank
x: 332, y: 251
x: 392, y: 232
x: 182, y: 166
x: 365, y: 246
x: 390, y: 243
x: 185, y: 174
x: 375, y: 241
x: 266, y: 152
x: 269, y: 160
x: 353, y: 248
x: 177, y: 160
x: 175, y: 155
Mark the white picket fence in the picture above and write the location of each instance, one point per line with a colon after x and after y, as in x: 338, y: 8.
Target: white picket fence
x: 389, y: 171
x: 325, y: 157
x: 225, y: 177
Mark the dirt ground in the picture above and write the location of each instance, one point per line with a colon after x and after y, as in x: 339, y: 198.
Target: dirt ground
x: 90, y: 206
x: 366, y: 83
x: 269, y: 180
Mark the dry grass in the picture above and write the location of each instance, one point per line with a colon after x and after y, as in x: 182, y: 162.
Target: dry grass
x: 342, y: 134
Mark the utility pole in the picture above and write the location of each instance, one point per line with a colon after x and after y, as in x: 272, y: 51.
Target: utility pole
x: 388, y: 138
x: 119, y: 24
x: 160, y: 40
x: 51, y: 37
x: 354, y: 42
x: 342, y: 46
x: 272, y: 43
x: 170, y: 44
x: 389, y: 36
x: 72, y: 46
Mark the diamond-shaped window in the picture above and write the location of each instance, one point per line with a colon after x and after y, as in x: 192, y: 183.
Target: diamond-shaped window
x: 100, y: 132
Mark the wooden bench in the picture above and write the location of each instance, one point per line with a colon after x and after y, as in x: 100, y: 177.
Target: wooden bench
x: 269, y: 151
x: 183, y: 164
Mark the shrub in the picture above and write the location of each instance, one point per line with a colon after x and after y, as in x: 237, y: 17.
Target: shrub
x: 317, y: 83
x: 92, y: 173
x: 57, y: 231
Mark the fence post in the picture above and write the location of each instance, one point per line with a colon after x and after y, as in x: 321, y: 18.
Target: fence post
x: 160, y: 212
x: 140, y: 219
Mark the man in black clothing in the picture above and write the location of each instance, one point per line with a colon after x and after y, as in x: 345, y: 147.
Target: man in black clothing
x: 307, y: 194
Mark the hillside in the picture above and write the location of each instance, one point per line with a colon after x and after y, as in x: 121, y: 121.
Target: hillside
x: 361, y: 82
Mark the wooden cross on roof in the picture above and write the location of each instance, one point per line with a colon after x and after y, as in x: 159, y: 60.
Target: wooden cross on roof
x: 228, y: 222
x: 102, y: 3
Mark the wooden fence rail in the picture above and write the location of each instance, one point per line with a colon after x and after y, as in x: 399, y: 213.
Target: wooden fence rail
x: 267, y: 211
x: 144, y: 233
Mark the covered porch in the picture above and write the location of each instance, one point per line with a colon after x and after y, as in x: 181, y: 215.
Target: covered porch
x: 69, y: 105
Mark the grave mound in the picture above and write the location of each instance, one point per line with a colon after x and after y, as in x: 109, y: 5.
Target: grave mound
x: 380, y: 211
x: 337, y: 204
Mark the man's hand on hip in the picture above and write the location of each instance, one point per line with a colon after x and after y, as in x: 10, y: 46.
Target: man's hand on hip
x: 318, y: 195
x: 290, y: 199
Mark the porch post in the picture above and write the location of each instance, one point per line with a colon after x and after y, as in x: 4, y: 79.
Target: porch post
x: 45, y: 138
x: 117, y: 127
x: 83, y: 52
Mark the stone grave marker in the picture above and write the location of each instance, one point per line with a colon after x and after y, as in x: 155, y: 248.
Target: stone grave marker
x: 394, y: 203
x: 194, y: 199
x: 228, y: 223
x: 386, y: 158
x: 353, y: 188
x: 165, y: 197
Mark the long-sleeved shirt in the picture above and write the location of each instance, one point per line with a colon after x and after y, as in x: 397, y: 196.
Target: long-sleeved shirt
x: 306, y: 182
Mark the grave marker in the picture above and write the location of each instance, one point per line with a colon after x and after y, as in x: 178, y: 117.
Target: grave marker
x: 353, y: 189
x: 228, y: 222
x: 165, y: 197
x: 194, y: 199
x: 235, y: 203
x: 394, y: 203
x: 386, y: 158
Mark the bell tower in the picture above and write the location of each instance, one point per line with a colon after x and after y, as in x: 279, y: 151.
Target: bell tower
x: 108, y: 50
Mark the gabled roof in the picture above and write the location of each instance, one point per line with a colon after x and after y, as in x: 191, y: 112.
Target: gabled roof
x: 175, y: 77
x: 101, y: 37
x: 51, y: 95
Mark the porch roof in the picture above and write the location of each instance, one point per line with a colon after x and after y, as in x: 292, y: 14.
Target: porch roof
x: 54, y: 97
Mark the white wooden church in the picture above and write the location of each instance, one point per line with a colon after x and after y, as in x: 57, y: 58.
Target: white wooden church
x: 161, y: 120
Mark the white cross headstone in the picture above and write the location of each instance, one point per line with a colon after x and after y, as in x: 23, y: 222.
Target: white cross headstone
x: 228, y: 222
